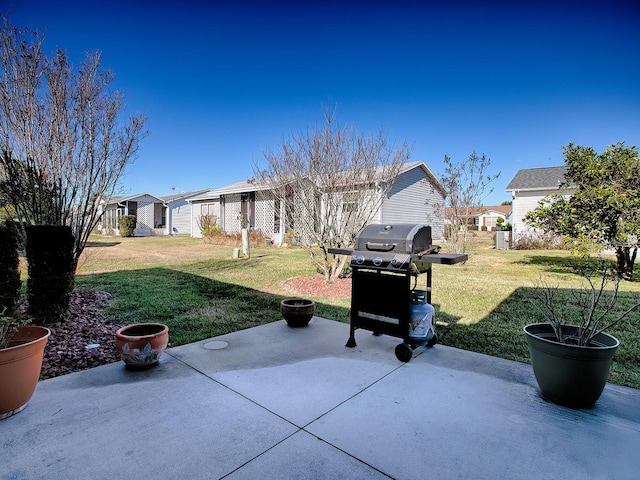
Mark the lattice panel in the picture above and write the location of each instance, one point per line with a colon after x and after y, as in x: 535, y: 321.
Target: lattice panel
x: 264, y: 213
x: 232, y: 210
x: 304, y: 216
x: 145, y: 215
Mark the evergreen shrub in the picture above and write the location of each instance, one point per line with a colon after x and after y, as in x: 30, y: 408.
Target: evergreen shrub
x: 126, y: 225
x: 52, y: 265
x: 9, y: 272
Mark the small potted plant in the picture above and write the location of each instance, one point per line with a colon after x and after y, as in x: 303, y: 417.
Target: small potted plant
x: 140, y: 345
x: 21, y: 352
x: 297, y: 312
x: 570, y: 352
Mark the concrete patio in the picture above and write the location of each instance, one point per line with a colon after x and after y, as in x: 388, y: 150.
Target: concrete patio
x: 283, y: 403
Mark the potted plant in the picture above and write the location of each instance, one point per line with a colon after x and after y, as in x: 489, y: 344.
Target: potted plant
x: 140, y: 345
x: 297, y: 312
x: 21, y: 352
x: 21, y: 346
x: 571, y: 353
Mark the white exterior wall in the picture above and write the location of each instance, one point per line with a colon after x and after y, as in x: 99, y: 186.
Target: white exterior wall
x: 414, y: 199
x: 180, y: 217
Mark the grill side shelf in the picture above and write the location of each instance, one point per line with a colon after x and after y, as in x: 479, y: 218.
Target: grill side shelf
x: 441, y: 258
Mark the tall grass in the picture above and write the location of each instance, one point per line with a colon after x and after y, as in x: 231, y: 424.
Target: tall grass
x: 200, y: 291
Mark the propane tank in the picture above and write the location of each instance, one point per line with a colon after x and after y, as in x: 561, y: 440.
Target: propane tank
x: 422, y: 313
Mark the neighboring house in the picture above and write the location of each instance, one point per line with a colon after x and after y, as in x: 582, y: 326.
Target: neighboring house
x: 167, y: 215
x: 415, y: 197
x: 484, y: 216
x: 149, y: 210
x: 178, y: 212
x: 528, y: 187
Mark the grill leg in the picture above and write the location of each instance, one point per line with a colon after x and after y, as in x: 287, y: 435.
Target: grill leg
x: 352, y: 338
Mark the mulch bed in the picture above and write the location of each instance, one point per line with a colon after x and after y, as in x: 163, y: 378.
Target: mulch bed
x: 315, y: 285
x: 87, y: 338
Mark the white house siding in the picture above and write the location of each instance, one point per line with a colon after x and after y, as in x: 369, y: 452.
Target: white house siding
x: 523, y: 203
x: 180, y: 217
x: 200, y: 208
x: 414, y: 199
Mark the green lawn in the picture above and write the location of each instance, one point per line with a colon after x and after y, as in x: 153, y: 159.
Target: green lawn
x: 200, y: 291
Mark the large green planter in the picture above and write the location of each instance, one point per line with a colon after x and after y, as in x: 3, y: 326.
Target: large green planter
x: 567, y: 374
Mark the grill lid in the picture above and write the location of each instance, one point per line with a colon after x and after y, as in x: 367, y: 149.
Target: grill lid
x: 397, y: 238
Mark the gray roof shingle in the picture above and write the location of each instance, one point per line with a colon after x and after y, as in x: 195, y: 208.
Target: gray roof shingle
x: 546, y: 178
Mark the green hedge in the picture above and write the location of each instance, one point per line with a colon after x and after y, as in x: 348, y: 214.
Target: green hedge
x: 126, y: 225
x: 9, y: 272
x: 50, y: 254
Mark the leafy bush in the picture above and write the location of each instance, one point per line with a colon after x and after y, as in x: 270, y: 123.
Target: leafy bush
x: 52, y: 265
x: 9, y: 272
x: 126, y: 225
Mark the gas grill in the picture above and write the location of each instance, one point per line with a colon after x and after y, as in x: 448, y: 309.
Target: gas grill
x: 387, y: 262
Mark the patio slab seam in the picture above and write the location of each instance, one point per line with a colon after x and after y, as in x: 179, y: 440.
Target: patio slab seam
x: 297, y: 427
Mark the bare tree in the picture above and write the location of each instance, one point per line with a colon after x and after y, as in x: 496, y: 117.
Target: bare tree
x: 329, y: 183
x: 466, y: 185
x: 63, y: 146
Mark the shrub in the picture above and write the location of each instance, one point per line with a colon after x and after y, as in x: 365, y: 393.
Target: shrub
x: 52, y: 265
x: 126, y: 225
x: 9, y: 272
x: 214, y: 235
x: 206, y: 222
x: 533, y: 240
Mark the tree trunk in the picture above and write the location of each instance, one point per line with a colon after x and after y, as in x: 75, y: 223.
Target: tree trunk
x: 625, y: 257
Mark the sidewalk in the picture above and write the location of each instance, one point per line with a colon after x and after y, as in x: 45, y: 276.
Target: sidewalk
x: 274, y: 402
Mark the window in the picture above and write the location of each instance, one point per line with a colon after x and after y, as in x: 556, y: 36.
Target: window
x: 350, y: 202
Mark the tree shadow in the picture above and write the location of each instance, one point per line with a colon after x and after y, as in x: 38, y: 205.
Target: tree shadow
x: 194, y: 306
x: 101, y: 244
x: 500, y: 333
x: 553, y: 264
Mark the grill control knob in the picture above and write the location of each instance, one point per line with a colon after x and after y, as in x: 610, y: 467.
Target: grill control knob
x: 377, y: 261
x: 359, y: 259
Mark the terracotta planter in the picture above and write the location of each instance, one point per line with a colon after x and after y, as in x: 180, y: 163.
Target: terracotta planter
x: 140, y: 345
x: 20, y: 366
x: 568, y: 374
x: 297, y: 312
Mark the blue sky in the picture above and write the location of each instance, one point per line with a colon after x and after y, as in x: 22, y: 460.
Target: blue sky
x: 221, y: 81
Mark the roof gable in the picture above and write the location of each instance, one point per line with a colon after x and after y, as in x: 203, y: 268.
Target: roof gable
x: 185, y: 195
x: 129, y: 198
x: 254, y: 186
x: 546, y: 178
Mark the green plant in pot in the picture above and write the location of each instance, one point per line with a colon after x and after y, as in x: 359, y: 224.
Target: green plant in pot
x: 571, y: 352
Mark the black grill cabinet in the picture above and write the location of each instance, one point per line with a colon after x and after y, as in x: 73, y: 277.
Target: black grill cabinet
x: 387, y: 262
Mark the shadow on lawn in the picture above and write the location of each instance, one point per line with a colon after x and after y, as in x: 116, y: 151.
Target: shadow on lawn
x: 102, y: 244
x: 553, y: 264
x: 500, y: 333
x: 193, y: 306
